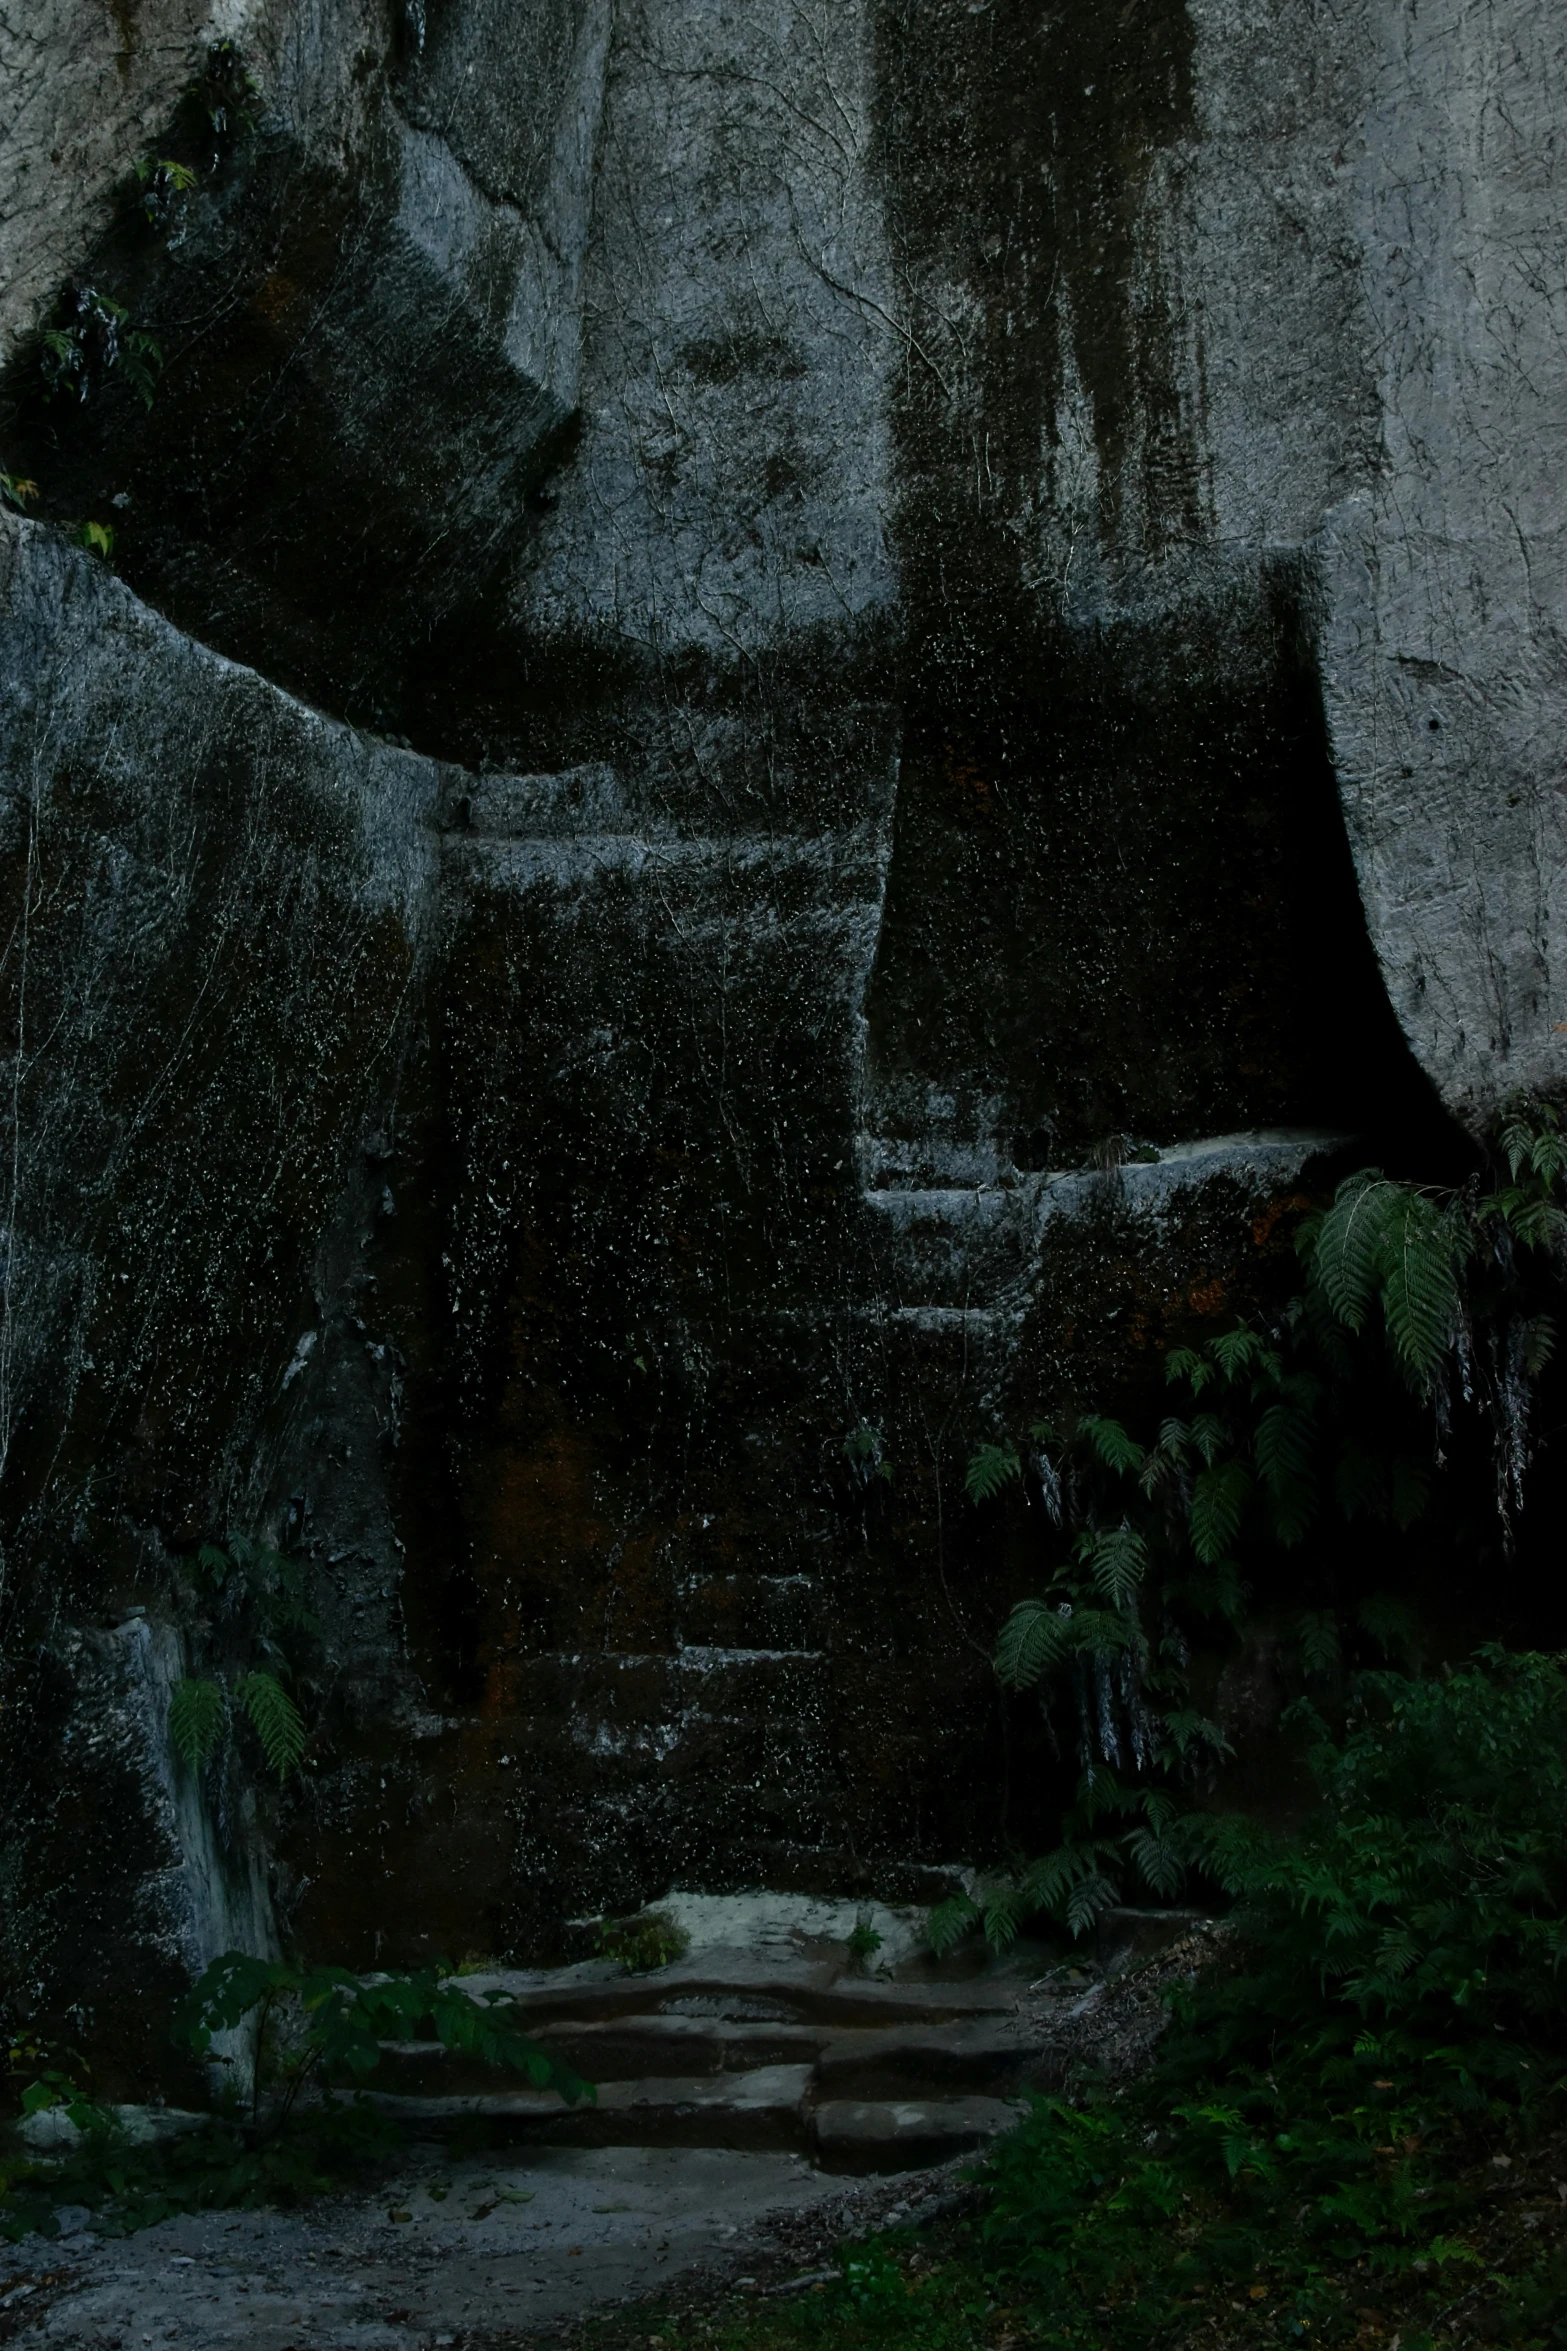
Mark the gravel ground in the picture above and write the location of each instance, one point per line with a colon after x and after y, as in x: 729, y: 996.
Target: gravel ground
x: 487, y: 2254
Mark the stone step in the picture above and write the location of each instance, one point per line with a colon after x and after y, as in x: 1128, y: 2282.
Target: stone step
x: 740, y: 1987
x: 872, y: 2134
x: 611, y: 2049
x: 919, y: 2062
x: 770, y: 2108
x: 765, y: 2108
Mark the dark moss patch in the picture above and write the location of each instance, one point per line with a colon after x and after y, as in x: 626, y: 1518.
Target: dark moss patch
x: 338, y: 449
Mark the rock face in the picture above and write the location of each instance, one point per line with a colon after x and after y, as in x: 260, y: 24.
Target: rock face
x: 708, y: 815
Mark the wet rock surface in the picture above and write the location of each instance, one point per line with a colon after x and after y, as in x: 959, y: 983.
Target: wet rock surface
x: 709, y: 817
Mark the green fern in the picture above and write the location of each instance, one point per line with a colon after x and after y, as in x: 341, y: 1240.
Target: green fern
x: 1284, y: 1449
x: 1316, y: 1638
x: 276, y: 1718
x: 1115, y: 1445
x: 1421, y: 1248
x: 991, y: 1469
x: 1117, y: 1561
x: 198, y: 1711
x: 1342, y: 1248
x: 1034, y: 1638
x: 1389, y: 1621
x: 1218, y: 1503
x: 950, y: 1922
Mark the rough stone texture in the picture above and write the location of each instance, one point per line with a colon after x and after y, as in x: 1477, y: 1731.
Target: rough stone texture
x: 1444, y: 578
x: 841, y: 561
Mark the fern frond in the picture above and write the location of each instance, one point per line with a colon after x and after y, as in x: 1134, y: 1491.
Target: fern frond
x: 1117, y: 1562
x: 1116, y: 1447
x: 1218, y: 1500
x: 1390, y: 1622
x: 1316, y: 1636
x: 198, y: 1711
x: 1005, y: 1910
x: 1184, y: 1363
x: 1283, y: 1447
x: 1411, y: 1491
x: 1099, y: 1632
x: 1209, y: 1434
x: 950, y: 1922
x: 278, y: 1723
x: 1186, y: 1730
x: 1087, y: 1899
x: 991, y: 1468
x: 1158, y: 1860
x: 1033, y: 1638
x: 1416, y: 1260
x: 1344, y: 1249
x: 1238, y: 1351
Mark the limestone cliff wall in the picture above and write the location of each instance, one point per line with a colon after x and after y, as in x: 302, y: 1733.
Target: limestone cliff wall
x: 741, y: 636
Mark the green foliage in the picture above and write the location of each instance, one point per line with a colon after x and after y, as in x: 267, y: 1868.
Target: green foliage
x: 1422, y: 1918
x: 862, y: 1448
x: 96, y: 537
x: 163, y: 182
x: 261, y: 1611
x: 276, y: 1717
x: 1400, y: 1244
x: 863, y: 1943
x: 1535, y: 1146
x: 98, y: 342
x: 219, y: 2164
x: 991, y: 1469
x: 339, y: 2022
x: 17, y: 490
x: 1277, y: 1437
x: 198, y: 1717
x: 1396, y: 1991
x: 222, y: 99
x: 55, y: 2092
x: 638, y: 1945
x: 1349, y: 2135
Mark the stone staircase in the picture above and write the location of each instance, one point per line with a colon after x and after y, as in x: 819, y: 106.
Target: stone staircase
x: 960, y: 1233
x: 788, y: 2047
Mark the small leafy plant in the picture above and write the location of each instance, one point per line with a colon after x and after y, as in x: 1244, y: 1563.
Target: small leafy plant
x: 863, y: 1943
x: 97, y: 343
x: 222, y: 98
x: 639, y: 1945
x: 162, y: 181
x: 313, y: 2028
x: 862, y: 1449
x: 1279, y: 1438
x: 17, y: 490
x: 315, y: 2035
x: 260, y: 1614
x: 1392, y: 2014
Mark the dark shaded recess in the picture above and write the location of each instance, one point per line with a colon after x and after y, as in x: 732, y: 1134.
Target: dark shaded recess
x: 292, y: 496
x: 626, y: 1302
x: 85, y: 1866
x: 788, y: 735
x: 1120, y: 899
x: 1016, y: 143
